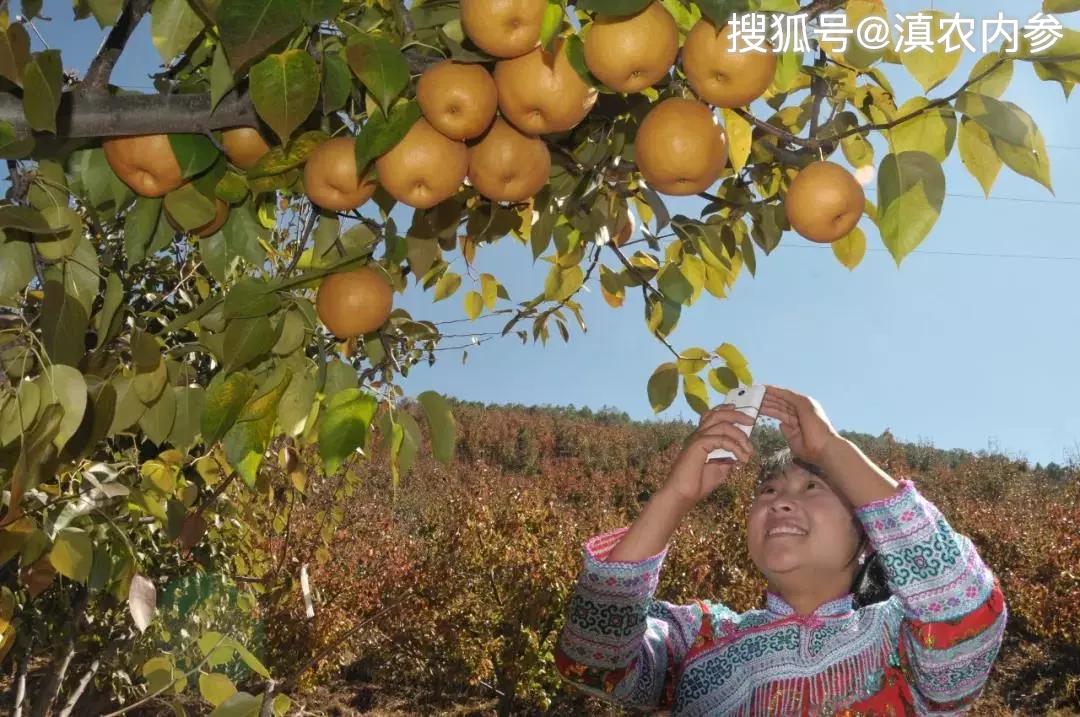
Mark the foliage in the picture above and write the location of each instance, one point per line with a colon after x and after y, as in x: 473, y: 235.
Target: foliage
x: 466, y: 578
x: 151, y: 374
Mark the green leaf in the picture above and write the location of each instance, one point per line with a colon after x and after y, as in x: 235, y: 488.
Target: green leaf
x: 551, y: 24
x: 723, y: 379
x: 72, y: 554
x: 242, y: 232
x: 190, y: 401
x: 218, y: 649
x: 441, y: 425
x: 290, y: 156
x: 42, y: 78
x: 295, y: 406
x: 129, y: 409
x: 189, y: 207
x: 336, y: 82
x: 315, y: 11
x: 1060, y: 6
x: 930, y: 68
x: 158, y: 420
x: 66, y: 386
x: 221, y: 76
x: 173, y: 26
x: 344, y: 426
x: 932, y: 131
x: 215, y: 688
x: 447, y: 284
x: 195, y: 153
x: 226, y: 397
x: 1003, y: 120
x: 247, y: 340
x: 1029, y: 158
x: 696, y: 393
x: 692, y: 360
x: 851, y: 249
x: 63, y: 324
x: 574, y: 48
x: 719, y: 11
x: 16, y: 269
x: 284, y: 90
x: 673, y: 284
x: 14, y: 51
x: 379, y: 134
x: 241, y: 704
x: 978, y: 154
x: 106, y: 12
x: 911, y: 192
x: 663, y: 386
x: 248, y: 28
x: 996, y: 81
x: 379, y: 65
x: 26, y: 219
x: 140, y: 224
x: 249, y: 298
x: 247, y: 440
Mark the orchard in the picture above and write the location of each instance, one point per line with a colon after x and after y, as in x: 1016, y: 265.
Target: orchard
x: 197, y: 284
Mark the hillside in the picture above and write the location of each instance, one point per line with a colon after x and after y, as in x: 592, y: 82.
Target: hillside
x: 475, y: 562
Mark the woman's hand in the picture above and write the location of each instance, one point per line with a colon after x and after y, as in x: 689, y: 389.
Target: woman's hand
x: 692, y: 477
x: 802, y: 421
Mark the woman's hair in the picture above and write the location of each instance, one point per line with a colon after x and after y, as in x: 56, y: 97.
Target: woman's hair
x: 870, y: 584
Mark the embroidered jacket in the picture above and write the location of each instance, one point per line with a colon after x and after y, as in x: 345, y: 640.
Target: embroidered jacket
x: 926, y: 650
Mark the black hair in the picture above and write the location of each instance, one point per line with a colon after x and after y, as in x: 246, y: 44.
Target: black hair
x: 871, y: 584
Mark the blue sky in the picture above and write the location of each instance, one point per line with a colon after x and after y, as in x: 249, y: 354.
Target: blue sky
x: 955, y: 347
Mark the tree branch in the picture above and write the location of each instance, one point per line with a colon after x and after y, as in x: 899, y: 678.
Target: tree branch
x: 84, y: 116
x: 97, y: 76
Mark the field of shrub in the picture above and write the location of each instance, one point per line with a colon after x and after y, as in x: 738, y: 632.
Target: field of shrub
x: 449, y: 600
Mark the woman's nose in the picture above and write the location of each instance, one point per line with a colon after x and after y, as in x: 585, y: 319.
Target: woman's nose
x: 782, y: 505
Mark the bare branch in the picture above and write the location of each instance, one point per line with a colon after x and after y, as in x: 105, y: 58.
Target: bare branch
x: 97, y: 76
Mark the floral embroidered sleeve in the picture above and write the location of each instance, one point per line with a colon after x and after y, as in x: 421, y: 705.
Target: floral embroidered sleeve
x: 954, y: 611
x: 618, y: 643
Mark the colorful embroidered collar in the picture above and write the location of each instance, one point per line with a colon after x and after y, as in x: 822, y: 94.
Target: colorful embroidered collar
x: 842, y: 605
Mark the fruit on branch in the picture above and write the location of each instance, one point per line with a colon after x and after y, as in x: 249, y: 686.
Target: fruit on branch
x: 458, y: 99
x: 680, y: 148
x: 353, y: 303
x: 633, y: 52
x: 507, y: 165
x: 244, y: 146
x: 330, y: 176
x: 541, y: 93
x: 424, y: 168
x: 723, y: 76
x: 211, y: 227
x: 824, y: 202
x: 503, y: 28
x: 145, y: 163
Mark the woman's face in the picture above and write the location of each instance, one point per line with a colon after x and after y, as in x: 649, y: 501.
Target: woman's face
x: 798, y: 523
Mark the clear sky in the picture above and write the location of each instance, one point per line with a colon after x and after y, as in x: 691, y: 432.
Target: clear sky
x: 966, y: 345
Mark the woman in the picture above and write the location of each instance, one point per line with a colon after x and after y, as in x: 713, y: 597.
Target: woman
x: 818, y: 516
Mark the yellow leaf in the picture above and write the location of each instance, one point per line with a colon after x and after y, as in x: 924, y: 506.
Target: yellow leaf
x: 851, y: 249
x: 740, y: 137
x: 978, y: 154
x: 474, y: 304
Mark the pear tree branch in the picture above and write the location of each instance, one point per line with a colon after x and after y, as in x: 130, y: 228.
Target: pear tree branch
x: 97, y: 76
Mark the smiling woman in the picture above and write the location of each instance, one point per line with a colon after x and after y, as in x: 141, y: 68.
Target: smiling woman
x: 829, y: 640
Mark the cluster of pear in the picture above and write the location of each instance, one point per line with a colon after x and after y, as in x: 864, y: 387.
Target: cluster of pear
x: 487, y: 127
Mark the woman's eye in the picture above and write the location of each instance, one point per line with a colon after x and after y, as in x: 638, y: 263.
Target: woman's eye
x: 811, y: 484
